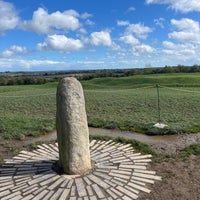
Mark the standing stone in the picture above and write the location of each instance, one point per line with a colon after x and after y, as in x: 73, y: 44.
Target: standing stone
x: 72, y: 129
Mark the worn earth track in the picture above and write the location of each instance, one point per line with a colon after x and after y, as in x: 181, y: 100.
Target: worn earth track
x: 162, y: 144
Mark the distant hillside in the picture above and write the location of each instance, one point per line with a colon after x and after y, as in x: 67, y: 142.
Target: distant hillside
x: 177, y: 80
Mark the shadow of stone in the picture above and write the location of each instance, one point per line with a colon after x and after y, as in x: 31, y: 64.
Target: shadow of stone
x: 29, y: 168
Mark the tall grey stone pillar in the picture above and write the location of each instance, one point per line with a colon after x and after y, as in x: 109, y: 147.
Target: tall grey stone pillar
x: 72, y: 128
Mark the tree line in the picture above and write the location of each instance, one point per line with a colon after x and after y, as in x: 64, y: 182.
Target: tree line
x: 30, y: 78
x: 142, y: 71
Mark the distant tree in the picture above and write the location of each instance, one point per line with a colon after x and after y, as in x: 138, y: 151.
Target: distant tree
x: 85, y: 77
x: 131, y: 72
x: 3, y: 81
x: 20, y: 81
x: 11, y: 81
x: 156, y: 70
x: 182, y: 68
x: 195, y: 68
x: 147, y: 70
x: 167, y: 69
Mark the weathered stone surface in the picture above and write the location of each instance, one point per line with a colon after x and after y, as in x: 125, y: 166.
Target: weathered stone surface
x: 72, y: 129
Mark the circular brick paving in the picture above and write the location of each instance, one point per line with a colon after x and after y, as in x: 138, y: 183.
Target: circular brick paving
x: 119, y: 173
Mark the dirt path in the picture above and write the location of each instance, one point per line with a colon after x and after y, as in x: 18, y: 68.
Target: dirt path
x: 163, y: 144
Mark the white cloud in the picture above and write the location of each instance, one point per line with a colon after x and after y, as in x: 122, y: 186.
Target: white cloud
x: 82, y: 30
x: 22, y: 64
x: 142, y: 48
x: 18, y: 49
x: 183, y: 6
x: 6, y: 54
x: 186, y: 50
x: 101, y: 38
x: 159, y: 22
x: 188, y: 30
x: 185, y: 36
x: 44, y: 23
x: 8, y: 16
x: 168, y: 44
x: 86, y: 15
x: 129, y: 39
x: 139, y: 30
x: 27, y: 65
x: 131, y: 9
x: 185, y: 41
x: 186, y: 24
x: 91, y: 62
x: 71, y: 12
x: 122, y: 23
x: 115, y: 47
x: 137, y: 48
x: 131, y: 36
x: 13, y: 50
x: 60, y: 43
x: 89, y: 22
x: 32, y: 63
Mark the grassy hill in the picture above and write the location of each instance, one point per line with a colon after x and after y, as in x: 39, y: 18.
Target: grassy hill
x: 172, y: 80
x: 110, y: 102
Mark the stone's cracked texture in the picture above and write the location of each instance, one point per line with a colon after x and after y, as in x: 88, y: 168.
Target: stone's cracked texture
x: 118, y: 177
x: 72, y: 128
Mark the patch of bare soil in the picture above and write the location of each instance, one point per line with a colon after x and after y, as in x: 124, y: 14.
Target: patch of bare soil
x: 7, y: 148
x: 180, y: 180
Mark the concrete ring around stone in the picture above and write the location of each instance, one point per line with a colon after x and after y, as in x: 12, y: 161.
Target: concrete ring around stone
x: 119, y: 173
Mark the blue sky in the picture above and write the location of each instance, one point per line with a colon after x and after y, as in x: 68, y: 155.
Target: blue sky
x: 98, y: 34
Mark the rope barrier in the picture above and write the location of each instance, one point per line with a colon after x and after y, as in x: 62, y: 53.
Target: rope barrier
x: 115, y: 89
x: 181, y: 90
x: 24, y: 96
x: 103, y: 90
x: 136, y: 98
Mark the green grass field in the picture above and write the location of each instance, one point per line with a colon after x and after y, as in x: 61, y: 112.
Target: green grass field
x: 128, y: 103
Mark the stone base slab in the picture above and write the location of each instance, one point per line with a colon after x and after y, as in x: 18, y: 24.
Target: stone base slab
x: 118, y: 173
